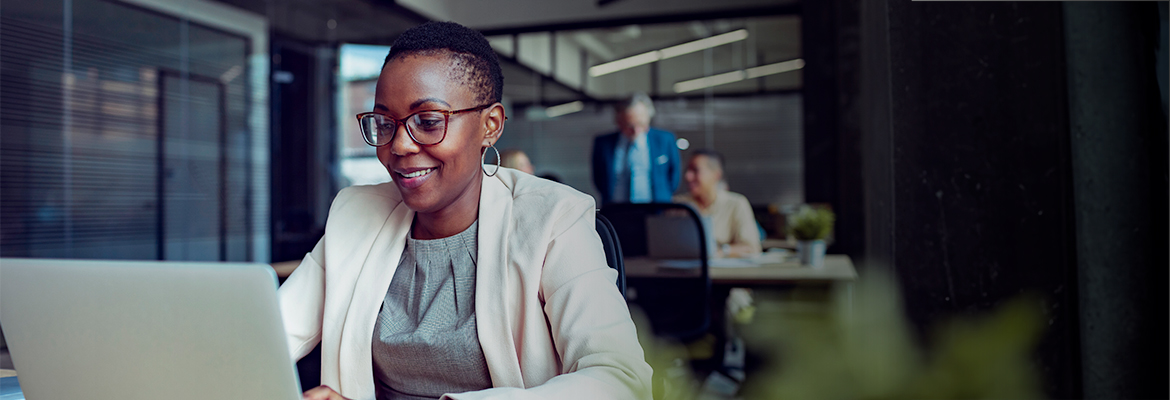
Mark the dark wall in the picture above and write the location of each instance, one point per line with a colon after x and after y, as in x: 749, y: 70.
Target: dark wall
x: 1013, y: 148
x: 968, y: 178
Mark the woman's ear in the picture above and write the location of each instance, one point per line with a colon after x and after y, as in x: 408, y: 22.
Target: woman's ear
x: 494, y: 124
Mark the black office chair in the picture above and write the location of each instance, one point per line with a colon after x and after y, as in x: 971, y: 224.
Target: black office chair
x: 678, y: 305
x: 309, y: 366
x: 613, y: 250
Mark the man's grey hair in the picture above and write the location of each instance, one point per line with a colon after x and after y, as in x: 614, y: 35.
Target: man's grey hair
x: 635, y: 99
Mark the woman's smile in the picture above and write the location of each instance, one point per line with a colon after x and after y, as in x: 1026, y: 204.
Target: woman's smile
x: 410, y: 178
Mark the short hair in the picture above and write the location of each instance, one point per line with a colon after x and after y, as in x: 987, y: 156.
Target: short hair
x: 475, y: 63
x: 715, y: 156
x: 635, y: 99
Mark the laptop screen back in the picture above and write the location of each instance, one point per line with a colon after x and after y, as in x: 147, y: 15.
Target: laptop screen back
x: 80, y: 329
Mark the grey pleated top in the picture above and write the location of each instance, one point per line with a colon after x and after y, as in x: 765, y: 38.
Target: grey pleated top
x: 425, y: 342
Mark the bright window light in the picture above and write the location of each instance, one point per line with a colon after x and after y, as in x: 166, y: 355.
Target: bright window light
x: 736, y: 76
x: 669, y: 52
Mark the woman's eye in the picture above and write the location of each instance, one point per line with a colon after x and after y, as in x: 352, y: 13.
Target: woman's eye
x: 429, y: 122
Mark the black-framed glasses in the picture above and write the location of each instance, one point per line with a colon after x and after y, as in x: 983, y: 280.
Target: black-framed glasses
x: 426, y: 128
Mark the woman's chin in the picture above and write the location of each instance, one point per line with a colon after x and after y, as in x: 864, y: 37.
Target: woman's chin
x: 417, y: 204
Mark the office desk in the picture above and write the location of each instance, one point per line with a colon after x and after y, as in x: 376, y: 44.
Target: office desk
x: 838, y: 268
x: 834, y: 280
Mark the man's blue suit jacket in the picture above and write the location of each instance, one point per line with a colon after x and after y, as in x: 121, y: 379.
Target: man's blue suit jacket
x: 664, y: 164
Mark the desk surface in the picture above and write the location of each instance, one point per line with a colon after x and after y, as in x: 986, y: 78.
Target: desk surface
x: 837, y: 267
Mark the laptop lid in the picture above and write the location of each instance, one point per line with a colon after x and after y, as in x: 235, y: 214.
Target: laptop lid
x: 84, y: 329
x: 674, y: 236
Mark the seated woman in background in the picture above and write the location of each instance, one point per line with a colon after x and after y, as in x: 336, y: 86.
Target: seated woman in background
x: 517, y: 160
x: 729, y: 214
x: 458, y: 280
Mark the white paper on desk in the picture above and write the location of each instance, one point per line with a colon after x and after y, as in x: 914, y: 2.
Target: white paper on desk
x: 755, y: 261
x: 692, y: 263
x: 773, y: 257
x: 733, y: 263
x: 770, y: 257
x: 713, y: 263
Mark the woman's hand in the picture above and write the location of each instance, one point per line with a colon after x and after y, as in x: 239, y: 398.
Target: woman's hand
x: 322, y: 393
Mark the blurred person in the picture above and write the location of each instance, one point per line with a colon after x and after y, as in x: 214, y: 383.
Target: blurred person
x: 636, y: 164
x: 458, y: 280
x: 516, y: 159
x: 729, y: 214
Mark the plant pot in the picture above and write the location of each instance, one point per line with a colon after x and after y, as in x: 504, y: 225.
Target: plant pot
x: 811, y: 252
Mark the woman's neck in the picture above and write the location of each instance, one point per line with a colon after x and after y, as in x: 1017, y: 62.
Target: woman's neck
x: 450, y: 220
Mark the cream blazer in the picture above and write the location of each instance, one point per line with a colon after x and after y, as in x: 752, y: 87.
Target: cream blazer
x: 550, y: 319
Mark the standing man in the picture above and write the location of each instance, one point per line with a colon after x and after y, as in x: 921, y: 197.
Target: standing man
x: 636, y: 164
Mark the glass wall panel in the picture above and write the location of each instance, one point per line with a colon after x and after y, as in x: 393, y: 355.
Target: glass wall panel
x: 88, y: 85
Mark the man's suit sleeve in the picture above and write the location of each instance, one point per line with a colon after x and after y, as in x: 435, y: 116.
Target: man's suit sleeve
x: 673, y: 164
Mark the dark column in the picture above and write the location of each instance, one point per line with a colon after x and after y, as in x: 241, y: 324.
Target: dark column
x: 1119, y: 165
x: 832, y: 160
x: 819, y: 89
x: 968, y: 181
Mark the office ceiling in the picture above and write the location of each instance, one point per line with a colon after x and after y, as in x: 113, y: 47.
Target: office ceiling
x: 548, y: 45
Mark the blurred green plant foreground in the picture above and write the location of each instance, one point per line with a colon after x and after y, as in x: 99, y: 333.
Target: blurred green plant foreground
x: 870, y: 352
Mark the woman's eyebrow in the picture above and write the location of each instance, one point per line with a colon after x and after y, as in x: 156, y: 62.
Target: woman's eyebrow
x: 420, y: 102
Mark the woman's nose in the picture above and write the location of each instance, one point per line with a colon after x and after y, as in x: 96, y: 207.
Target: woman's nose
x: 402, y: 144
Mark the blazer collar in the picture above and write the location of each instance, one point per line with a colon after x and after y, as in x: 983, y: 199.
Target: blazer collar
x: 378, y: 270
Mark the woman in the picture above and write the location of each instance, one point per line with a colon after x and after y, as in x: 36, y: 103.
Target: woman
x: 730, y: 214
x: 452, y: 281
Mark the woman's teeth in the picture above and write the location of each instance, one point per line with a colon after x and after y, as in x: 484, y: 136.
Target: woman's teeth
x: 418, y: 173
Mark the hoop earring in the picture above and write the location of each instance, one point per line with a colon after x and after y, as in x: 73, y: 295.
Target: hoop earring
x: 482, y: 159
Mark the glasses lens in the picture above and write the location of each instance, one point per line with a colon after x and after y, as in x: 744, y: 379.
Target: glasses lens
x: 377, y: 130
x: 427, y: 127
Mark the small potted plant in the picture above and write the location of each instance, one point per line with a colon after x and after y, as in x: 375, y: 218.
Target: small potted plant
x: 810, y: 226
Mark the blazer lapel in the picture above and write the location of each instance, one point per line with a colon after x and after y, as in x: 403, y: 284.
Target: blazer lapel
x: 369, y: 290
x: 495, y: 301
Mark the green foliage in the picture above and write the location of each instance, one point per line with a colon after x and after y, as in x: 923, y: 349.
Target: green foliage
x: 810, y: 223
x: 870, y: 352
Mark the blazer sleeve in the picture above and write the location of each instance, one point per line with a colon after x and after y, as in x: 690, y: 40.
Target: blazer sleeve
x: 302, y: 302
x: 590, y: 324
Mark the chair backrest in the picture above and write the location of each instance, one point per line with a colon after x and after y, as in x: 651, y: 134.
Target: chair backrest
x: 613, y: 250
x: 677, y: 305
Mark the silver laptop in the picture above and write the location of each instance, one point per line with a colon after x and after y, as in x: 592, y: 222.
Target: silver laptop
x: 83, y: 329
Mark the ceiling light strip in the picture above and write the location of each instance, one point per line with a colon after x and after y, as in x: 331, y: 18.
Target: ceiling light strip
x: 703, y: 44
x: 669, y: 52
x: 736, y: 76
x: 564, y: 109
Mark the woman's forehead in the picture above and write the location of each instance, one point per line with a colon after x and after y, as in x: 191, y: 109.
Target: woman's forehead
x: 417, y: 80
